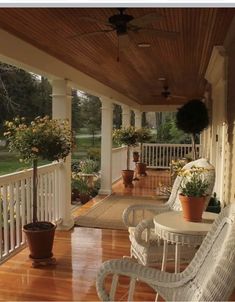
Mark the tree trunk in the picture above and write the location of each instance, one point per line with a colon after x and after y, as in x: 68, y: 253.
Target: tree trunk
x: 35, y: 183
x: 194, y: 153
x: 141, y: 156
x: 128, y: 158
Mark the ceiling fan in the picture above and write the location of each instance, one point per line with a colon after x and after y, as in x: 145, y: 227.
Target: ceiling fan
x: 166, y: 94
x: 124, y: 24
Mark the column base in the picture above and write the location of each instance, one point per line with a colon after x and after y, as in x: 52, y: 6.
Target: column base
x: 105, y: 192
x: 65, y: 225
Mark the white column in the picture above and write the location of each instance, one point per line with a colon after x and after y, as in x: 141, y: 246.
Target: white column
x: 126, y: 116
x: 106, y: 146
x: 61, y: 109
x: 138, y: 119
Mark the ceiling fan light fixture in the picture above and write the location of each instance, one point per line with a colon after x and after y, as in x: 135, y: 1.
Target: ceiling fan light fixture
x: 144, y: 45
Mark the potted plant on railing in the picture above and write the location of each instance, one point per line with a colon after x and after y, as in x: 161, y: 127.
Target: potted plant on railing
x: 143, y: 136
x: 193, y: 193
x: 46, y: 139
x: 126, y: 136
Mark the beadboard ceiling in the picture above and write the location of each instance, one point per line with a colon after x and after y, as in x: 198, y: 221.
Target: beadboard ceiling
x: 182, y: 60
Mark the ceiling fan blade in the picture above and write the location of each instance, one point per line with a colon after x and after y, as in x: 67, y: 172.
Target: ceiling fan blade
x: 91, y: 34
x: 146, y: 19
x: 123, y: 41
x: 159, y: 33
x: 94, y: 20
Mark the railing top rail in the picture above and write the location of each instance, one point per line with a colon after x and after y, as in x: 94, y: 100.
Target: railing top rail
x: 118, y: 149
x: 170, y: 145
x: 27, y: 173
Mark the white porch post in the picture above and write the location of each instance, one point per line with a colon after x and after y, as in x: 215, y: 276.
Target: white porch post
x: 126, y: 116
x: 61, y: 109
x: 138, y: 119
x: 106, y: 146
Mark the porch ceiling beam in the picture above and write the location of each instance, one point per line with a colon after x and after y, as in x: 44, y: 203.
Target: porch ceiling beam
x: 23, y: 55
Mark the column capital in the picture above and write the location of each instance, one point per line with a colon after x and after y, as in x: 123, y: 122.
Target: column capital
x: 106, y: 103
x: 125, y: 108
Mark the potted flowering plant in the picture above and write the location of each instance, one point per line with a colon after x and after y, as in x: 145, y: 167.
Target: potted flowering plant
x: 46, y: 139
x: 193, y: 193
x: 143, y: 136
x: 126, y: 136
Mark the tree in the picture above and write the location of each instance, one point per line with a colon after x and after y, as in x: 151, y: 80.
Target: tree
x: 23, y: 93
x: 192, y: 118
x: 117, y: 116
x: 91, y: 114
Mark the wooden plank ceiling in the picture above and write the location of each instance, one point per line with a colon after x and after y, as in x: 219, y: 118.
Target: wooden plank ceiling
x: 181, y: 60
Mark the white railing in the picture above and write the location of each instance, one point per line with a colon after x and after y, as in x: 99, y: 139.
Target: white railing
x: 119, y: 157
x: 161, y: 155
x: 16, y: 204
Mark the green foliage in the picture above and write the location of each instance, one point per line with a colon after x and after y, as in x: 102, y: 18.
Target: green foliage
x: 192, y: 117
x: 126, y: 136
x: 94, y: 153
x: 143, y: 135
x: 81, y: 184
x: 193, y: 183
x: 42, y: 138
x: 23, y: 92
x: 88, y: 166
x: 168, y: 132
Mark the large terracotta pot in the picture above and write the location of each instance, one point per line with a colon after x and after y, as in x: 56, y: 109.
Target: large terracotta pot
x: 192, y: 207
x: 40, y: 238
x: 141, y: 169
x: 127, y: 176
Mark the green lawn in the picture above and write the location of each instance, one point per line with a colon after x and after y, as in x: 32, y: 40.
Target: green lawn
x: 9, y: 163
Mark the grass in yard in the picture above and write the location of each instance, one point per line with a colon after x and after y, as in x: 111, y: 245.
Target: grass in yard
x: 9, y: 163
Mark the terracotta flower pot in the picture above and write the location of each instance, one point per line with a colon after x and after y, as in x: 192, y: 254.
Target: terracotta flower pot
x: 127, y: 176
x: 136, y: 157
x: 40, y: 237
x: 192, y: 207
x: 141, y: 169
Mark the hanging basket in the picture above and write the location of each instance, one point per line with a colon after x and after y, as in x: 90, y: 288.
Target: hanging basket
x: 192, y: 207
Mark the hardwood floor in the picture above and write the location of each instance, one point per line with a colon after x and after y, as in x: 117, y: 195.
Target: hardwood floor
x: 79, y: 254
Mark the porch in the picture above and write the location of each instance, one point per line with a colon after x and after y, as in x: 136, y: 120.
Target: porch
x: 81, y: 251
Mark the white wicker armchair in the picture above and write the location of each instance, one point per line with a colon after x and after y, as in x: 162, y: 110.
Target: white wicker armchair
x: 210, y: 276
x: 138, y: 218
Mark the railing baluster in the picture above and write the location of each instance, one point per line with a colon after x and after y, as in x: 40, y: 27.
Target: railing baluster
x: 28, y: 200
x: 5, y: 220
x: 50, y: 205
x: 12, y: 218
x: 17, y: 214
x: 23, y: 207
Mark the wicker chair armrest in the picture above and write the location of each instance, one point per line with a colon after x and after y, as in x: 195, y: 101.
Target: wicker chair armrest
x: 130, y: 211
x: 144, y: 225
x: 153, y: 277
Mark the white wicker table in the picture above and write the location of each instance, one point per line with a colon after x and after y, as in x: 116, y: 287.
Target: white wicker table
x: 173, y: 228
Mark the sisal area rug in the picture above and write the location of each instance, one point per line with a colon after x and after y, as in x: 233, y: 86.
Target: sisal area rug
x: 107, y: 213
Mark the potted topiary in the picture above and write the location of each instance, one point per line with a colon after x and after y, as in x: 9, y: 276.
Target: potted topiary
x: 126, y: 136
x: 143, y: 136
x: 192, y: 118
x: 46, y: 139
